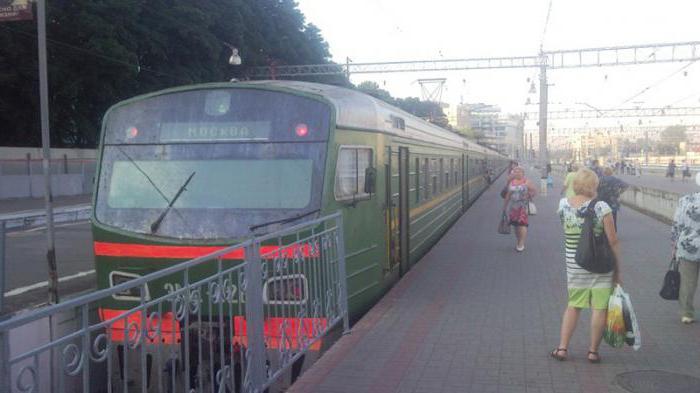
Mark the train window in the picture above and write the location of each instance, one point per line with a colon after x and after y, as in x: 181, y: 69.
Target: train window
x: 452, y: 170
x: 350, y: 173
x: 398, y: 122
x: 426, y: 175
x: 456, y: 172
x: 417, y: 180
x: 434, y: 176
x: 443, y: 185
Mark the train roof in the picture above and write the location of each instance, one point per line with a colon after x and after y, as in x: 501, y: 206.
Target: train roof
x: 356, y: 110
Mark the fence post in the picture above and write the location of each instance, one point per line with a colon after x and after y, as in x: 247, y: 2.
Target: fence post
x: 2, y: 266
x: 29, y: 173
x: 254, y: 316
x: 342, y: 280
x: 5, y: 382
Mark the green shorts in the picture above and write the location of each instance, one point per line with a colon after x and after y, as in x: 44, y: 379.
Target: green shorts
x: 595, y: 298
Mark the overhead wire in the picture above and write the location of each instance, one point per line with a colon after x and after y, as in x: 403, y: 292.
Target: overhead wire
x: 660, y: 81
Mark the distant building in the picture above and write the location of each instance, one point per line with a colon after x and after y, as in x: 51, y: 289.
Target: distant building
x: 451, y: 114
x: 493, y: 128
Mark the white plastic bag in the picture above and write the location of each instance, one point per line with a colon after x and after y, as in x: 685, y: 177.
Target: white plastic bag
x: 531, y: 208
x: 615, y: 330
x: 633, y: 336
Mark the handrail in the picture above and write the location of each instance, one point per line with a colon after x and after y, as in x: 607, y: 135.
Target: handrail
x: 29, y: 218
x: 137, y: 282
x: 275, y: 303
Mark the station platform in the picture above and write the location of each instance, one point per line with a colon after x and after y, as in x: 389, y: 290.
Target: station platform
x: 476, y: 316
x: 660, y: 182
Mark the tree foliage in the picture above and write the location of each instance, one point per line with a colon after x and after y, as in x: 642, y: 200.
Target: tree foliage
x: 670, y: 139
x: 430, y: 111
x: 101, y: 52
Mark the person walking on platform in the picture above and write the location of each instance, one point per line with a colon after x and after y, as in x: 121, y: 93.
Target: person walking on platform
x: 671, y: 170
x: 586, y: 289
x: 609, y: 191
x: 686, y: 171
x: 518, y: 196
x: 595, y: 167
x: 509, y: 172
x: 568, y: 189
x: 685, y: 234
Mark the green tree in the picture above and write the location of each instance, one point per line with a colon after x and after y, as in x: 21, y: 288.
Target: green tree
x: 427, y: 110
x: 101, y: 52
x: 430, y: 111
x: 670, y: 139
x: 372, y: 88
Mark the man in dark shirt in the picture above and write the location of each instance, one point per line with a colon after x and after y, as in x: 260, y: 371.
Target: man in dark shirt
x: 609, y: 190
x: 671, y: 170
x: 595, y: 167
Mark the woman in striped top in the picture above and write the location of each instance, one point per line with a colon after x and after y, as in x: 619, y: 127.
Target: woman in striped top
x: 586, y: 289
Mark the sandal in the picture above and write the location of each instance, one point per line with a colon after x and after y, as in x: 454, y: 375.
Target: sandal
x: 594, y: 360
x: 555, y: 354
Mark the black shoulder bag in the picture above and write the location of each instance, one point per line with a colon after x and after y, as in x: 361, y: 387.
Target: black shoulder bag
x: 593, y: 252
x: 672, y: 282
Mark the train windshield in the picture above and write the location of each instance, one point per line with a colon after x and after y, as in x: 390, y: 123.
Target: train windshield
x: 190, y: 166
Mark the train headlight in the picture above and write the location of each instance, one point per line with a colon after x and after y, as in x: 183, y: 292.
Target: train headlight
x: 291, y: 289
x: 117, y: 277
x: 301, y: 130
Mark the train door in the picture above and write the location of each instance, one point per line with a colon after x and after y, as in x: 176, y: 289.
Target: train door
x: 396, y: 212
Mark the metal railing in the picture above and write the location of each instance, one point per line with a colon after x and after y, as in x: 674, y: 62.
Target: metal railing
x: 30, y: 219
x: 34, y: 218
x: 232, y: 321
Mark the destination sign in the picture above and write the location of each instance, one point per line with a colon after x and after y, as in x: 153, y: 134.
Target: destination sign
x: 216, y: 131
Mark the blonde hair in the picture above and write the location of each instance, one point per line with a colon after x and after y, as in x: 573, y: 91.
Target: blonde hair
x: 607, y: 171
x: 585, y: 183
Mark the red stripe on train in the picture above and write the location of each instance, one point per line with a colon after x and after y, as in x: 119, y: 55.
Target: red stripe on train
x: 285, y: 332
x: 165, y: 330
x: 189, y: 252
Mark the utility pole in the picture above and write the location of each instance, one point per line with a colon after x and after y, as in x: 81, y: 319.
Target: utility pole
x: 646, y: 147
x: 347, y: 67
x: 544, y: 156
x: 46, y: 151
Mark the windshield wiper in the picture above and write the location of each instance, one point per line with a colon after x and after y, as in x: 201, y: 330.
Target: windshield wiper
x: 156, y: 224
x: 131, y: 160
x: 284, y: 220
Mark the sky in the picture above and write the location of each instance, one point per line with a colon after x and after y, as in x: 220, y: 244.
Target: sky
x: 393, y: 30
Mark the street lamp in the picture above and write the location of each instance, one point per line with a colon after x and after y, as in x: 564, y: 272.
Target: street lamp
x: 235, y: 58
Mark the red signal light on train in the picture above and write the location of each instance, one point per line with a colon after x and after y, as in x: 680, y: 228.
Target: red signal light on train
x: 301, y: 129
x: 132, y: 132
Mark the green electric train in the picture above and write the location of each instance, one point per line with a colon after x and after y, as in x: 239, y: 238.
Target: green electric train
x: 273, y: 152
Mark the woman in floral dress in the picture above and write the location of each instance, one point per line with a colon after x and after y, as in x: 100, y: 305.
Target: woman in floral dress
x: 685, y: 234
x: 520, y: 193
x: 586, y: 289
